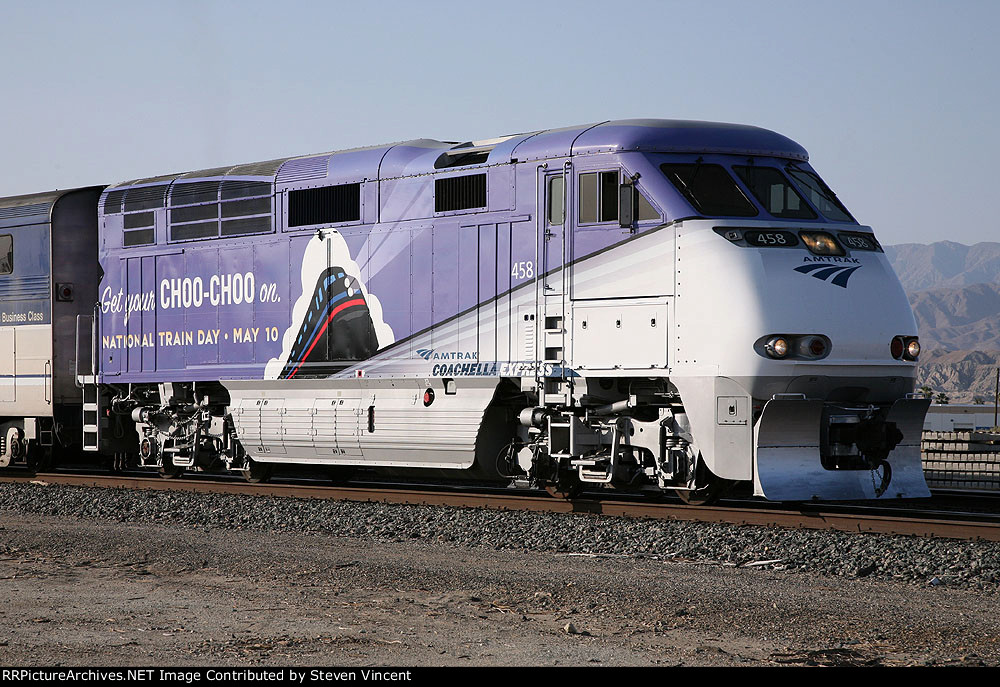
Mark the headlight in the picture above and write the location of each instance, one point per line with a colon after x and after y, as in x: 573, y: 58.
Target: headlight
x: 821, y: 243
x: 777, y: 347
x: 912, y: 349
x: 793, y: 346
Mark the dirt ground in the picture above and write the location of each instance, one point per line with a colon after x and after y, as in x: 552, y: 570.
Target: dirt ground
x: 80, y: 592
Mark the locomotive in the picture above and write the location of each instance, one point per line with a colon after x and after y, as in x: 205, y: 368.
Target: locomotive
x: 635, y: 304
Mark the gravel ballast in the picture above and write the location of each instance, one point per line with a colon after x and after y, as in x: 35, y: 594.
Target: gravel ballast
x: 123, y: 577
x: 912, y: 560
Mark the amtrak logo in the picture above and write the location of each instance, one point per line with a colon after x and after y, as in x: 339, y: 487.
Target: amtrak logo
x: 431, y: 354
x: 835, y: 274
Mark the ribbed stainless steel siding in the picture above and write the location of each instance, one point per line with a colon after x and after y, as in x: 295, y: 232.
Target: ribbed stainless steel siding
x: 304, y: 168
x: 24, y: 288
x: 314, y: 425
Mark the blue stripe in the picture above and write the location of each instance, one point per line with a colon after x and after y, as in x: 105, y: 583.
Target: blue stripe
x: 841, y: 279
x: 322, y: 317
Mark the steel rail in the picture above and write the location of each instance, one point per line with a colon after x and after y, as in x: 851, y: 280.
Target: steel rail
x: 806, y: 516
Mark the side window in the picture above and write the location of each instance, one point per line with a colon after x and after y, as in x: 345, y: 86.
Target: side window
x: 557, y: 196
x: 646, y: 210
x: 6, y: 254
x: 598, y: 197
x: 820, y: 194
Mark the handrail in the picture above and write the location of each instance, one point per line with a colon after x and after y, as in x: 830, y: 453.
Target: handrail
x: 76, y: 355
x: 93, y: 346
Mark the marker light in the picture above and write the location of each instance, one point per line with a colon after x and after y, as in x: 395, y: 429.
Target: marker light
x: 813, y: 346
x: 821, y: 243
x: 777, y: 347
x: 896, y: 347
x: 912, y: 349
x: 428, y: 397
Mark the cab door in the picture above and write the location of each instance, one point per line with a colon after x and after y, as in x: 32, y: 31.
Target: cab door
x: 552, y: 218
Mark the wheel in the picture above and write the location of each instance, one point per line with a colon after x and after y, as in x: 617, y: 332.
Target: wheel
x: 568, y: 487
x: 709, y: 490
x: 168, y: 470
x: 39, y: 459
x: 256, y: 472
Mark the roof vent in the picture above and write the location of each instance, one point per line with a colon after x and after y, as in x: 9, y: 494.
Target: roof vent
x: 462, y: 156
x: 470, y: 153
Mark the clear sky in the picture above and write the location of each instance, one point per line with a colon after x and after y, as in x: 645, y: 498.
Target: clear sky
x: 897, y: 102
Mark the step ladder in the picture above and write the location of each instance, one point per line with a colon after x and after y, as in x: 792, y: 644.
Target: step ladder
x: 93, y: 417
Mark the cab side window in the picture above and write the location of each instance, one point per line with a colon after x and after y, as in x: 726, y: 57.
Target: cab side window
x: 599, y: 199
x: 6, y: 254
x: 556, y: 199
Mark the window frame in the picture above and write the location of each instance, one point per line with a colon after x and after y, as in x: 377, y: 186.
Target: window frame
x: 10, y: 271
x: 580, y: 222
x: 550, y: 197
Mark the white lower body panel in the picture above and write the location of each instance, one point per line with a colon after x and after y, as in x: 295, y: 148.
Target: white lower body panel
x: 369, y: 422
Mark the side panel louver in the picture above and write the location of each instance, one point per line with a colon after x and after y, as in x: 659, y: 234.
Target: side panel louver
x: 325, y: 205
x: 460, y: 193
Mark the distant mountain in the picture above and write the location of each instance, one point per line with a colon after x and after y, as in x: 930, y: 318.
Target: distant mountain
x: 945, y: 264
x: 958, y: 319
x: 962, y: 375
x: 955, y: 293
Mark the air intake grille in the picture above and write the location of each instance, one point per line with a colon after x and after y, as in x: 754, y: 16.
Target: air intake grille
x: 460, y: 193
x: 195, y: 192
x: 146, y: 198
x: 113, y: 202
x: 325, y: 205
x: 142, y: 237
x: 245, y: 189
x: 139, y: 219
x: 303, y: 168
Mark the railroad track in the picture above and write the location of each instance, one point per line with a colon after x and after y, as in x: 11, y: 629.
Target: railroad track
x: 899, y: 518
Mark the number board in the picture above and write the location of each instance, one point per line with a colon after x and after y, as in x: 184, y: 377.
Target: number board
x: 858, y: 241
x: 771, y: 239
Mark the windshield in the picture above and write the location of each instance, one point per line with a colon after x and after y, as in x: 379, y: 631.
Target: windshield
x: 770, y: 187
x: 710, y: 189
x: 820, y: 194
